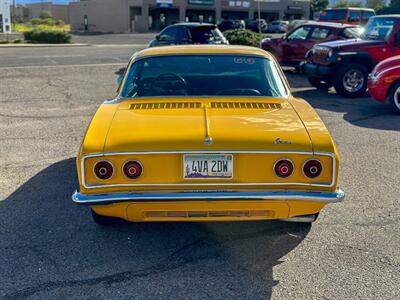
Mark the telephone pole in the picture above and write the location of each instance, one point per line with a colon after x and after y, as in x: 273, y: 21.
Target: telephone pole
x: 14, y: 15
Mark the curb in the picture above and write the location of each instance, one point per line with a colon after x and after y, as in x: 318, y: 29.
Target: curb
x: 41, y: 45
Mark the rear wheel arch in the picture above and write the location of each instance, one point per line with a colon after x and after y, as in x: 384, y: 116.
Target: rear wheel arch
x: 391, y: 94
x: 392, y: 86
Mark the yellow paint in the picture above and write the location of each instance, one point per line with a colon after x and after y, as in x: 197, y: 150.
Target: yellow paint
x: 123, y: 126
x: 202, y: 49
x: 248, y: 168
x: 272, y: 209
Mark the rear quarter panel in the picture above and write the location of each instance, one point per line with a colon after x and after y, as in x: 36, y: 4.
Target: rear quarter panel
x: 321, y: 139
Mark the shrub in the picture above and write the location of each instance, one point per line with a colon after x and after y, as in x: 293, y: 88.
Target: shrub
x: 243, y: 37
x: 36, y: 21
x: 45, y: 15
x: 49, y: 22
x: 59, y: 23
x: 47, y: 36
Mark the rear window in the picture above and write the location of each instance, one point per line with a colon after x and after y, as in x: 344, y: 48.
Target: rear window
x: 203, y: 75
x: 333, y: 15
x: 205, y: 35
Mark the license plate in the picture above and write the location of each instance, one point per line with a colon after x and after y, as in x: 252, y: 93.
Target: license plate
x: 208, y: 166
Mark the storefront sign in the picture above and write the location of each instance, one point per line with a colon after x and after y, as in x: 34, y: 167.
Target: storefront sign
x: 201, y: 2
x: 295, y: 8
x: 245, y: 4
x: 164, y: 3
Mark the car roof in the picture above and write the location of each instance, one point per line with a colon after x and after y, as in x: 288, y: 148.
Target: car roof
x: 386, y: 16
x: 351, y: 8
x: 193, y: 24
x: 329, y: 24
x: 201, y: 49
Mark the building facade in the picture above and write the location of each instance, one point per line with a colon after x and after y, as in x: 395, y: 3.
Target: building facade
x: 119, y: 16
x: 5, y: 16
x: 25, y: 13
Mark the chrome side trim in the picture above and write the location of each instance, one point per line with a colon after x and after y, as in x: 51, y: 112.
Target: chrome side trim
x: 325, y: 197
x: 332, y: 155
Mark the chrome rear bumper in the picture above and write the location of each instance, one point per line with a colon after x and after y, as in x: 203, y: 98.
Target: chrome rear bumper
x: 325, y: 197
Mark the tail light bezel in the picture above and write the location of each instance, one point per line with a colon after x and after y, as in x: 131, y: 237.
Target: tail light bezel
x: 132, y: 161
x: 104, y: 161
x: 320, y: 172
x: 281, y: 160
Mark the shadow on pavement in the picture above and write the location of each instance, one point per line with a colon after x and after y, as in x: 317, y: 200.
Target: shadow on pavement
x: 51, y: 248
x: 363, y: 112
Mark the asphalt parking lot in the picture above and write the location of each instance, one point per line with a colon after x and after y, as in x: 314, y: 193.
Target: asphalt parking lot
x: 51, y: 249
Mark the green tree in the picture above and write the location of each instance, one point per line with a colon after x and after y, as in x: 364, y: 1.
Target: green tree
x: 393, y: 8
x: 345, y: 3
x: 318, y: 5
x: 377, y: 5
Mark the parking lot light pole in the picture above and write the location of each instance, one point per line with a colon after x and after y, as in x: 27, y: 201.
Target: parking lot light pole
x: 259, y: 16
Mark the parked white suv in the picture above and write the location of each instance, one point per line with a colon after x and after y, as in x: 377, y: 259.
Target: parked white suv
x: 278, y: 26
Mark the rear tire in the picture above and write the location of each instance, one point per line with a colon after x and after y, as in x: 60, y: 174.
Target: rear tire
x: 351, y: 80
x: 319, y: 84
x: 394, y: 97
x: 103, y: 220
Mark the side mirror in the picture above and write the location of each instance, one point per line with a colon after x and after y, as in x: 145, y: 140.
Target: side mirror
x: 284, y: 37
x: 120, y: 73
x: 157, y: 37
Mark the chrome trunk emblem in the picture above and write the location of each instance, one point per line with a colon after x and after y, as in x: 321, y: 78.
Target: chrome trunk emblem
x: 279, y: 141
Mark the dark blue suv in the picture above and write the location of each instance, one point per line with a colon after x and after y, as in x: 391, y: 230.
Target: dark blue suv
x: 189, y: 33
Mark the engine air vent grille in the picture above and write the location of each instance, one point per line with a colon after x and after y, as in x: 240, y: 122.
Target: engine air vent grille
x: 210, y: 214
x: 165, y: 105
x: 246, y: 105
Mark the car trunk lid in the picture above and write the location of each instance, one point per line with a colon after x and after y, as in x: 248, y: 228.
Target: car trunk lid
x: 159, y: 124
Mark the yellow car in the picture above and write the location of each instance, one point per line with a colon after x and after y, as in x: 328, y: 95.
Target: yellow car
x: 206, y: 133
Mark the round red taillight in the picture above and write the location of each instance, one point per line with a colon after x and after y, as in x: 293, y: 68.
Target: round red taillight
x: 103, y: 170
x: 283, y: 168
x: 312, y: 168
x: 132, y: 169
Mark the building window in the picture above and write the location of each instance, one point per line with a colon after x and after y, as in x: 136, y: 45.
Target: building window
x: 86, y: 22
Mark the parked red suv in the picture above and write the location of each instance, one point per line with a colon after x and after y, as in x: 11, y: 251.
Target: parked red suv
x: 293, y: 46
x: 346, y: 64
x: 348, y: 15
x: 384, y: 82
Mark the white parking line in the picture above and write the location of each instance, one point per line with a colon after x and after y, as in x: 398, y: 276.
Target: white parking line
x: 301, y: 89
x: 52, y: 56
x: 60, y: 65
x: 121, y: 45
